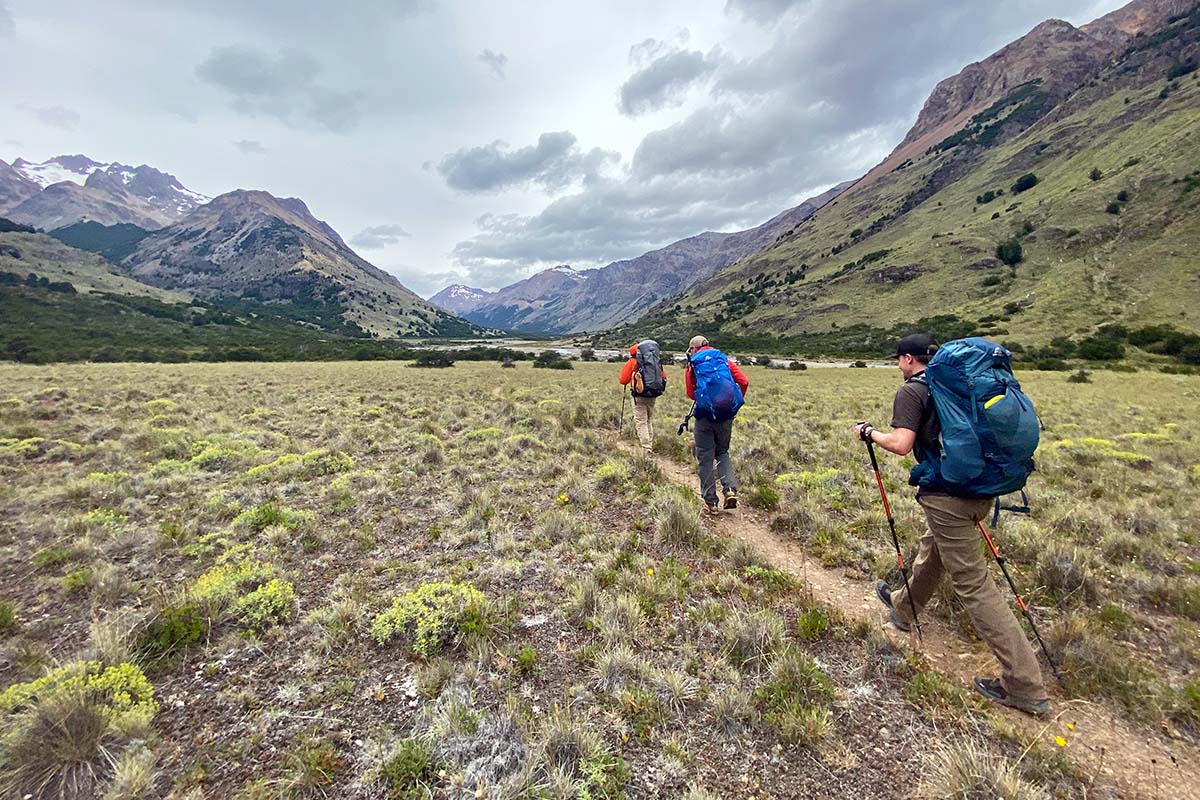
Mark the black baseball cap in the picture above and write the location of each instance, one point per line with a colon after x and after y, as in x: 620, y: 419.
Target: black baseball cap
x: 916, y: 344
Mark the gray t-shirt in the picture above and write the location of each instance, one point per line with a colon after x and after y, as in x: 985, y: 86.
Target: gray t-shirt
x: 913, y: 409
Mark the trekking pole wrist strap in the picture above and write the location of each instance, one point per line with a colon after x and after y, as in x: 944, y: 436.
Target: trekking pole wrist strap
x: 865, y: 432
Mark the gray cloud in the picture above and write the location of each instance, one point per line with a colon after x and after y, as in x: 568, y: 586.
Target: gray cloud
x: 251, y: 147
x: 379, y: 236
x: 56, y: 116
x: 553, y: 163
x: 7, y: 26
x: 284, y: 86
x: 495, y: 61
x: 664, y: 80
x: 804, y: 113
x: 762, y: 11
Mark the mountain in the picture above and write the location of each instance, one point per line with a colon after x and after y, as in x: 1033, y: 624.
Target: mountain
x: 69, y: 189
x: 514, y: 305
x: 15, y: 188
x: 1066, y: 204
x: 1058, y: 55
x: 459, y: 299
x: 253, y: 245
x: 561, y: 300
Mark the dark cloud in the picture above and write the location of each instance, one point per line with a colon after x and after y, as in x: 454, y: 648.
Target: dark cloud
x: 250, y: 146
x: 7, y: 26
x: 495, y: 61
x: 554, y: 163
x: 56, y: 116
x: 379, y: 236
x: 283, y: 85
x: 665, y: 80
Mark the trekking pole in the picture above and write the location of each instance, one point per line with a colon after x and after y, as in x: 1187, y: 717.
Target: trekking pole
x: 683, y: 426
x: 887, y: 510
x: 1020, y: 601
x: 624, y: 393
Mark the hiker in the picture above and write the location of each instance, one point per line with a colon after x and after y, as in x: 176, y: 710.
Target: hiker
x: 718, y: 388
x: 951, y: 543
x: 647, y: 379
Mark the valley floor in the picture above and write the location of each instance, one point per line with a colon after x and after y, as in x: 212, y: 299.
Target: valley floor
x: 368, y: 580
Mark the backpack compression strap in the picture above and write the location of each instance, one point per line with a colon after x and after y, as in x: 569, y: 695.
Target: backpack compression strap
x: 1021, y: 509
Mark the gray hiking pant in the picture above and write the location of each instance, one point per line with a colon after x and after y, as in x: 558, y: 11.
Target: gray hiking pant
x: 712, y: 442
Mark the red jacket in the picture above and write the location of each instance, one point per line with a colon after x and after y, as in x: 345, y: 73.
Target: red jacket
x: 739, y: 377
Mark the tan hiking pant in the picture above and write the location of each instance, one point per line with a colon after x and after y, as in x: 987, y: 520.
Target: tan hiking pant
x: 643, y: 408
x: 953, y: 545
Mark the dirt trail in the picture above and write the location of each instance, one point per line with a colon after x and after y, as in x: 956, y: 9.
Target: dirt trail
x: 1140, y: 763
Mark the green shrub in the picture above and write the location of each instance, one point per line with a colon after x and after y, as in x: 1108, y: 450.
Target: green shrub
x: 433, y: 361
x: 432, y: 616
x: 1100, y: 348
x: 603, y: 775
x: 175, y: 629
x: 1025, y: 183
x: 1010, y: 252
x: 1113, y: 208
x: 642, y: 709
x: 269, y: 604
x: 812, y: 624
x: 763, y: 496
x: 1079, y: 376
x: 268, y: 515
x: 1095, y: 174
x: 526, y: 658
x: 795, y: 698
x: 120, y: 688
x: 78, y: 580
x: 8, y: 617
x: 222, y: 584
x: 49, y: 557
x: 407, y: 771
x: 551, y: 359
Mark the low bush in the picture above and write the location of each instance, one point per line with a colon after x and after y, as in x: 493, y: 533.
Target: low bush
x: 269, y: 604
x: 433, y: 616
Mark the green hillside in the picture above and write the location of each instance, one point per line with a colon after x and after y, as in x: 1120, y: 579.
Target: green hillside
x: 1110, y: 233
x: 113, y: 242
x: 24, y: 254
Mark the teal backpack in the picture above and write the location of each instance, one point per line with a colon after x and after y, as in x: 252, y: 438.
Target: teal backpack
x: 990, y: 429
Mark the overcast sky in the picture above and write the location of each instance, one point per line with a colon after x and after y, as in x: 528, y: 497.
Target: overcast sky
x: 477, y: 142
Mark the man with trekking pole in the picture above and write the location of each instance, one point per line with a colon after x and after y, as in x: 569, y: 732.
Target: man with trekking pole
x: 961, y: 469
x: 718, y: 388
x: 646, y: 378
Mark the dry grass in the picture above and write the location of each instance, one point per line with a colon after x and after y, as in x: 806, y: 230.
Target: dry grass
x: 176, y: 485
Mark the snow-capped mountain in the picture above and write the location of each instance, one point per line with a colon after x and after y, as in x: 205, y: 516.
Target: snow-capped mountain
x: 460, y: 298
x: 76, y: 188
x: 76, y: 168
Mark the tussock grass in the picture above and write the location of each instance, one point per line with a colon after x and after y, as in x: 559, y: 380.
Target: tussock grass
x: 966, y: 768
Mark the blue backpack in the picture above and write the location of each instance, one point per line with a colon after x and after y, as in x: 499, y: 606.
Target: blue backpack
x: 989, y: 427
x: 718, y: 397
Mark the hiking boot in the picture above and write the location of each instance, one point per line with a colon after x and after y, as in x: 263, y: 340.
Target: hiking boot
x: 994, y: 691
x: 884, y: 593
x: 731, y: 498
x: 712, y: 510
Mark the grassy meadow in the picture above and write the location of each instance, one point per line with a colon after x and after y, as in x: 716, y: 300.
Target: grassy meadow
x: 367, y: 580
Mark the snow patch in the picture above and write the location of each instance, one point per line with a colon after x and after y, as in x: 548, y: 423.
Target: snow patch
x: 50, y: 172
